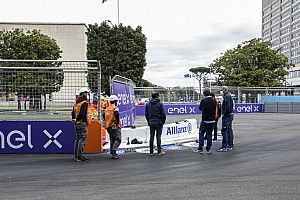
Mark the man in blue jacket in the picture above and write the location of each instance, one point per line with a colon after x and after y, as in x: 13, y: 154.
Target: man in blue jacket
x: 227, y: 118
x: 156, y: 117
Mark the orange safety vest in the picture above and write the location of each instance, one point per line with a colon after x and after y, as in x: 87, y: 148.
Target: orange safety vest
x: 218, y: 108
x: 77, y: 107
x: 110, y: 118
x: 92, y: 113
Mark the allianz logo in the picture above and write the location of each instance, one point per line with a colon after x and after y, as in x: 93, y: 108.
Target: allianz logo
x: 16, y: 139
x: 173, y: 130
x: 182, y: 110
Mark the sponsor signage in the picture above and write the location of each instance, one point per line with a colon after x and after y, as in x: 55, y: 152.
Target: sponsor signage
x: 37, y: 137
x: 183, y: 109
x: 173, y: 130
x: 172, y: 148
x: 248, y: 108
x: 190, y: 109
x: 126, y: 102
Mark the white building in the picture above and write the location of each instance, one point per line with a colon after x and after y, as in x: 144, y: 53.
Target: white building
x: 281, y: 26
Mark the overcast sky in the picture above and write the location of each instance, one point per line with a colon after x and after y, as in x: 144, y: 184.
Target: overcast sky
x: 180, y: 33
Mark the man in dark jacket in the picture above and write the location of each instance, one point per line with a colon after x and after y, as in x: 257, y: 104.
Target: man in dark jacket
x: 208, y: 108
x: 227, y: 118
x: 79, y: 117
x: 156, y: 117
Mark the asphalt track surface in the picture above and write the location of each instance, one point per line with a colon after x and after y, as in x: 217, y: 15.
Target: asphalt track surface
x: 265, y: 164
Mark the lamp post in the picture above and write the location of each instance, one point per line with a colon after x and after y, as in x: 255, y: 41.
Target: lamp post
x: 118, y: 11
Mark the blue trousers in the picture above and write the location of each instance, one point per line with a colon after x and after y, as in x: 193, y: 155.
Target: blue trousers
x: 226, y: 131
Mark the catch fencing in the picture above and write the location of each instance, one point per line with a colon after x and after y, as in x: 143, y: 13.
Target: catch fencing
x: 239, y: 94
x: 44, y: 89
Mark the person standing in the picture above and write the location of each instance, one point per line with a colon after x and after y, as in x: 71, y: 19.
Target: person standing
x: 227, y: 118
x: 218, y: 116
x: 156, y: 118
x: 208, y: 108
x: 113, y: 125
x: 79, y: 118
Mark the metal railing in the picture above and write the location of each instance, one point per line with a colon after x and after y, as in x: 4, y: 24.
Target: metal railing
x: 44, y: 89
x: 192, y: 94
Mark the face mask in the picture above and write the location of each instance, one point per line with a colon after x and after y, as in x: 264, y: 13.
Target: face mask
x: 221, y: 92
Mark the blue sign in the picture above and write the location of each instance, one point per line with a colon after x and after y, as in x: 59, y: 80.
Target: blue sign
x: 248, y: 107
x: 126, y: 102
x: 172, y: 148
x: 182, y: 109
x: 191, y: 109
x: 37, y: 137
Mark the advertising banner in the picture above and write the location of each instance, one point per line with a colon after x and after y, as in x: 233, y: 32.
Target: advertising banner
x: 189, y: 109
x: 248, y: 107
x: 37, y: 137
x: 126, y: 102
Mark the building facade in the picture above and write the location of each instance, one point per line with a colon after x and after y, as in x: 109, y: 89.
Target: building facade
x: 281, y: 26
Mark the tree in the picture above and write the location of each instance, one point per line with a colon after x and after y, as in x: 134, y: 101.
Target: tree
x: 252, y: 64
x: 200, y: 72
x: 29, y: 45
x: 145, y: 83
x: 121, y: 50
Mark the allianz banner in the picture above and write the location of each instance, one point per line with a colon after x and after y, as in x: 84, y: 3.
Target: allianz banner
x: 126, y: 102
x: 187, y: 109
x: 37, y: 137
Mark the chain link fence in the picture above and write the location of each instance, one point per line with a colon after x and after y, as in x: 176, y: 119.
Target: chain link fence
x: 192, y: 94
x: 44, y: 89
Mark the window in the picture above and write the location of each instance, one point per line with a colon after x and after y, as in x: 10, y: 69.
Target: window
x: 285, y: 31
x: 285, y: 14
x: 284, y: 1
x: 285, y: 22
x: 275, y: 28
x: 275, y: 12
x: 274, y: 36
x: 295, y: 8
x: 285, y: 39
x: 275, y: 42
x: 296, y: 43
x: 296, y: 26
x: 296, y: 61
x: 296, y: 52
x: 266, y: 18
x: 266, y: 33
x: 296, y: 35
x: 275, y: 20
x: 285, y: 6
x: 275, y: 5
x: 295, y: 17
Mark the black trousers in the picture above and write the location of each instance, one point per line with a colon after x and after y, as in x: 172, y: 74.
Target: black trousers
x: 158, y: 131
x: 81, y: 139
x: 115, y: 139
x: 216, y: 129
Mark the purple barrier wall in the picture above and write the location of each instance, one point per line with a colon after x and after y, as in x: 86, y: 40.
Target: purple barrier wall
x: 186, y: 109
x: 126, y: 102
x: 37, y: 137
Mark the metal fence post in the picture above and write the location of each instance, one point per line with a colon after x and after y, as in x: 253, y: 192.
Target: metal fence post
x: 169, y: 95
x: 99, y: 89
x: 239, y: 95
